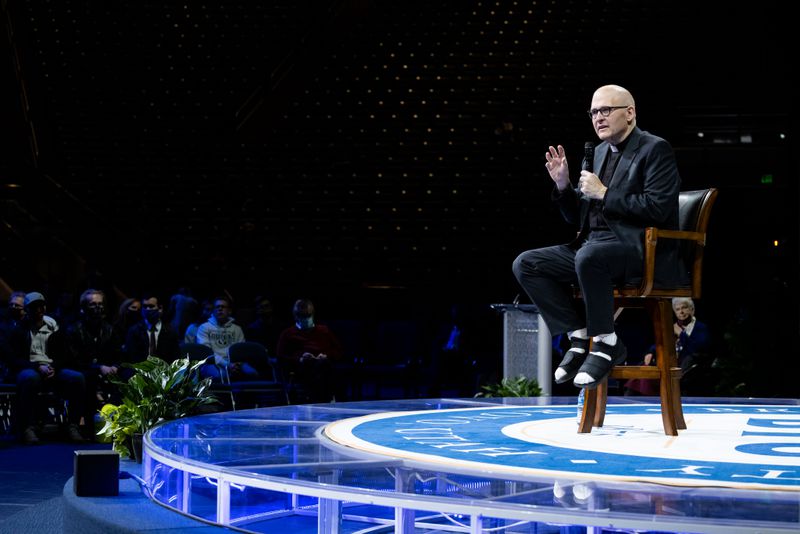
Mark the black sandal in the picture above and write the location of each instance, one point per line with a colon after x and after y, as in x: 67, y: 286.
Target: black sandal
x: 600, y: 360
x: 573, y: 359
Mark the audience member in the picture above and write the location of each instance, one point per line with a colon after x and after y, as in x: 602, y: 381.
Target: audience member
x: 206, y: 309
x: 10, y: 320
x: 692, y: 341
x: 455, y: 356
x: 183, y: 310
x: 14, y: 312
x: 263, y: 329
x: 151, y: 336
x: 129, y: 313
x: 219, y: 333
x: 306, y: 352
x: 91, y: 348
x: 32, y: 359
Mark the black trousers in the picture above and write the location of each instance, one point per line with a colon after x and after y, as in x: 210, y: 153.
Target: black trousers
x: 548, y: 275
x: 68, y: 384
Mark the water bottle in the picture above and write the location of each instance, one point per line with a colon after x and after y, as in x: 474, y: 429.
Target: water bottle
x: 580, y: 405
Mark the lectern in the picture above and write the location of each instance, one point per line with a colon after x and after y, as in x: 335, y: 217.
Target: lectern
x: 527, y: 344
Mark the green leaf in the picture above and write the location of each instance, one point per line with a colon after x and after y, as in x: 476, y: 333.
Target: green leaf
x: 157, y: 391
x: 512, y: 387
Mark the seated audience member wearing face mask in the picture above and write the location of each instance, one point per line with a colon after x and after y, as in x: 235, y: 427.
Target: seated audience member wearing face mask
x: 307, y: 351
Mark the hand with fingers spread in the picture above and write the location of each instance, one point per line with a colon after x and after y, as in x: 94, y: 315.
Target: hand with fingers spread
x: 557, y: 166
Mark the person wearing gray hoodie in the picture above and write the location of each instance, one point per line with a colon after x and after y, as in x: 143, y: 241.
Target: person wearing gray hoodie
x: 219, y: 333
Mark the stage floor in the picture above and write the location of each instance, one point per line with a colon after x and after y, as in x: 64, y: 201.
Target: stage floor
x: 483, y: 465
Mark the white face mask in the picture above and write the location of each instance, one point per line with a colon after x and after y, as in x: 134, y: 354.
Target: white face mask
x: 305, y: 324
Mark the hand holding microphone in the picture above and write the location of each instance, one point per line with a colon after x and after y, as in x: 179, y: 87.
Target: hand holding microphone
x: 590, y: 185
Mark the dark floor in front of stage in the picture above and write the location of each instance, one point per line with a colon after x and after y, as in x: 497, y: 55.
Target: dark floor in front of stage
x: 33, y: 474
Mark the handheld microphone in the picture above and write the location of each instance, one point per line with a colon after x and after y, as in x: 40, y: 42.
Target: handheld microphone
x: 588, y: 157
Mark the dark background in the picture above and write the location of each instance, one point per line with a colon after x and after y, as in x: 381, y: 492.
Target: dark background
x: 353, y: 152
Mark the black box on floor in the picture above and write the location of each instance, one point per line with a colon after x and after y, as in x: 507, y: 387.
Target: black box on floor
x: 96, y: 474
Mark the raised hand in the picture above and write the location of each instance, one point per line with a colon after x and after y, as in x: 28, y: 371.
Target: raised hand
x: 557, y: 166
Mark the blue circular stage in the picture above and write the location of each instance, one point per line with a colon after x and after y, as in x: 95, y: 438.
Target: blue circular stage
x: 483, y: 465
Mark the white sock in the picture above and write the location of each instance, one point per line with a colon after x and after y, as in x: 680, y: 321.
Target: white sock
x: 608, y: 339
x: 580, y: 334
x: 581, y: 379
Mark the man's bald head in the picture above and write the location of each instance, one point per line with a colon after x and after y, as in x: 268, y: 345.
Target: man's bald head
x: 616, y: 94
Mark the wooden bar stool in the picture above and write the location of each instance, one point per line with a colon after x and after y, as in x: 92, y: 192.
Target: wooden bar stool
x: 694, y: 210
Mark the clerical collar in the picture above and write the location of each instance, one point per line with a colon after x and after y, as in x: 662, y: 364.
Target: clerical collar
x: 619, y: 147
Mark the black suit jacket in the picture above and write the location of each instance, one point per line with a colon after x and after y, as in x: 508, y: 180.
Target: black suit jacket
x: 137, y: 343
x: 642, y: 192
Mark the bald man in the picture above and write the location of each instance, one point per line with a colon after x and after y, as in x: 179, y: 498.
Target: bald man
x: 636, y: 186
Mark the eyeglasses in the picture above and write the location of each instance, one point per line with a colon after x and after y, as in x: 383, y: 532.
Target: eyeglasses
x: 605, y: 111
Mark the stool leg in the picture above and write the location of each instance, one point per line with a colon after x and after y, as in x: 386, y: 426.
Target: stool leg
x: 677, y: 407
x: 588, y: 414
x: 667, y: 408
x: 665, y: 354
x: 602, y: 398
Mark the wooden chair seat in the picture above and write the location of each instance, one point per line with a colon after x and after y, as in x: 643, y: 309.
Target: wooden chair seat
x: 694, y: 211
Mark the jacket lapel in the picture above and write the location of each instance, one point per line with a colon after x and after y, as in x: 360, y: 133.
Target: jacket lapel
x: 627, y: 157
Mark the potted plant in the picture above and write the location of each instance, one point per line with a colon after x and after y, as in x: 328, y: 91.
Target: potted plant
x: 512, y: 387
x: 157, y: 391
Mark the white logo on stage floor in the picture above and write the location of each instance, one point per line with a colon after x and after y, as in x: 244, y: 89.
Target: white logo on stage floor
x: 732, y: 445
